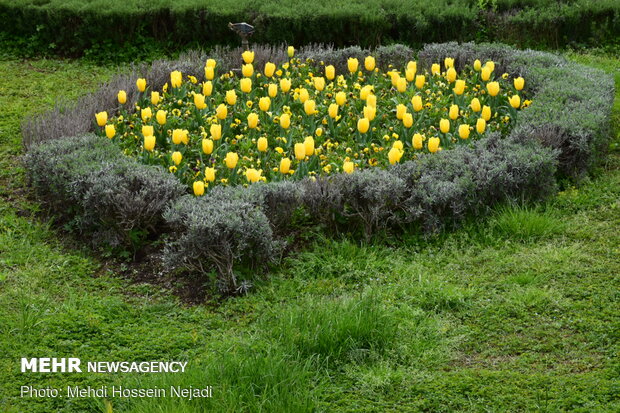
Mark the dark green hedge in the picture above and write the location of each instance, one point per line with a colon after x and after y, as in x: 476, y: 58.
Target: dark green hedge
x: 101, y: 26
x: 563, y: 131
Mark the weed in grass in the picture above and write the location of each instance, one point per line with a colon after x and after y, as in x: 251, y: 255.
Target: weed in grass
x: 335, y: 329
x: 249, y: 380
x: 524, y: 224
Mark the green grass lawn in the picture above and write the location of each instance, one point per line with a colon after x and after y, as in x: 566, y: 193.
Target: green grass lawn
x: 516, y: 313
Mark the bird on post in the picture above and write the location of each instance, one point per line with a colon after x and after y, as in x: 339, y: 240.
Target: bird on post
x: 244, y: 30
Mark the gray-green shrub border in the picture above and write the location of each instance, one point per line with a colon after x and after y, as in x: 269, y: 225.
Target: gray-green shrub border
x: 560, y: 136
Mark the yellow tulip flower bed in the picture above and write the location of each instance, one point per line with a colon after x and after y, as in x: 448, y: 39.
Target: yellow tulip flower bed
x: 302, y: 118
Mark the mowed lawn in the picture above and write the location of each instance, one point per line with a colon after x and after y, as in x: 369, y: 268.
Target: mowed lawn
x: 518, y: 312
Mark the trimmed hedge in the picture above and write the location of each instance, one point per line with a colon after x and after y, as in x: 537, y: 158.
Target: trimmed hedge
x: 102, y: 26
x: 560, y: 135
x: 114, y: 200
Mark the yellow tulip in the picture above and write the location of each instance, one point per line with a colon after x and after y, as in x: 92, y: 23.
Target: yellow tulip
x: 348, y: 167
x: 319, y: 83
x: 252, y: 120
x: 435, y: 69
x: 231, y: 160
x: 416, y: 102
x: 211, y: 63
x: 209, y: 73
x: 519, y: 83
x: 247, y: 70
x: 199, y: 188
x: 176, y: 78
x: 481, y: 125
x: 285, y: 165
x: 110, y: 131
x: 246, y: 85
x: 485, y: 74
x: 459, y: 87
x: 207, y: 88
x: 248, y: 56
x: 417, y: 141
x: 394, y: 155
x: 272, y: 90
x: 398, y: 145
x: 464, y: 131
x: 102, y: 118
x: 365, y: 92
x: 231, y: 97
x: 410, y: 75
x: 448, y: 62
x: 264, y: 103
x: 412, y: 66
x: 216, y: 131
x: 490, y: 64
x: 333, y: 111
x: 141, y: 84
x: 352, y: 64
x: 147, y: 130
x: 309, y: 145
x: 444, y: 125
x: 149, y: 143
x: 394, y: 76
x: 252, y: 175
x: 401, y: 84
x: 290, y: 51
x: 262, y: 144
x: 310, y: 107
x: 486, y: 113
x: 341, y: 98
x: 146, y: 114
x: 454, y: 112
x: 161, y: 117
x: 199, y: 101
x: 493, y: 88
x: 330, y: 72
x: 400, y: 111
x: 300, y: 151
x: 122, y: 97
x: 371, y: 100
x: 303, y: 95
x: 363, y: 125
x: 475, y: 105
x: 370, y: 112
x: 285, y: 120
x: 408, y: 120
x: 221, y: 111
x: 477, y: 65
x: 433, y: 145
x: 207, y: 146
x: 270, y: 69
x: 370, y: 63
x: 154, y: 98
x: 451, y: 74
x: 285, y: 85
x: 177, y: 157
x: 419, y: 81
x: 210, y: 174
x: 515, y: 101
x: 177, y: 136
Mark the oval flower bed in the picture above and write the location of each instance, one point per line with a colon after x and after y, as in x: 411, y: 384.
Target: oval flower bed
x: 134, y: 186
x: 302, y: 118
